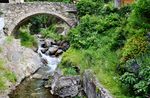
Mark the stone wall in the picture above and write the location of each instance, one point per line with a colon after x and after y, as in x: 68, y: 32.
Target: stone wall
x: 16, y: 13
x: 92, y: 87
x: 16, y: 1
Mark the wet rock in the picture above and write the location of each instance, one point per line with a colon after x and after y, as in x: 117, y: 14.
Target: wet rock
x: 49, y: 42
x: 44, y: 61
x: 59, y: 52
x: 65, y: 86
x: 64, y: 46
x: 44, y: 50
x: 43, y: 45
x: 52, y: 50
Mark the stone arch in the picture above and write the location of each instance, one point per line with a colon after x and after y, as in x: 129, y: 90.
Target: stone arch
x: 13, y: 27
x: 15, y: 13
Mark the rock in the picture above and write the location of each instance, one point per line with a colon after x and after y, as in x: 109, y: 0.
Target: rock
x: 44, y: 61
x: 37, y: 76
x: 59, y: 52
x: 64, y: 46
x: 65, y: 86
x: 18, y: 59
x: 60, y: 29
x: 52, y: 50
x: 49, y: 42
x: 92, y: 87
x: 44, y: 45
x: 44, y: 50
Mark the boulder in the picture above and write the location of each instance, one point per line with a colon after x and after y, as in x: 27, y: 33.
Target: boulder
x: 20, y: 60
x: 59, y: 52
x: 92, y: 88
x: 49, y: 42
x: 52, y: 50
x: 64, y: 46
x: 43, y: 50
x: 65, y: 86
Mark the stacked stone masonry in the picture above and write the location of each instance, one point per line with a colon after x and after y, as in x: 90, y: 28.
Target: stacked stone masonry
x: 16, y: 13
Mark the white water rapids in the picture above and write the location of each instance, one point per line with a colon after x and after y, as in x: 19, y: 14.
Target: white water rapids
x: 52, y: 62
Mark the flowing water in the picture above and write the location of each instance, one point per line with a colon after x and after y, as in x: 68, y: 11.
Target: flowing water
x: 34, y: 88
x: 31, y: 88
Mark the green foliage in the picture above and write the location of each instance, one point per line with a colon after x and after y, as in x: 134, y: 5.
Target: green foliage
x: 5, y: 75
x: 10, y: 76
x: 135, y: 46
x: 9, y: 39
x: 41, y: 21
x: 128, y: 78
x: 27, y: 39
x: 140, y: 14
x: 69, y: 71
x: 138, y: 82
x: 50, y: 32
x: 87, y: 7
x: 2, y: 83
x: 90, y: 30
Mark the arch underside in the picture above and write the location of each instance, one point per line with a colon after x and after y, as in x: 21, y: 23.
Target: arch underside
x: 14, y: 25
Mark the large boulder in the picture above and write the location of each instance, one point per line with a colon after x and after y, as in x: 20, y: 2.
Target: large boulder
x: 65, y: 86
x: 20, y: 60
x: 92, y: 87
x: 52, y: 50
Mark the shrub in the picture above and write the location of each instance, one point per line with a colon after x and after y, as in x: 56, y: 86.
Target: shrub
x: 138, y: 82
x: 50, y: 32
x: 140, y: 14
x: 27, y: 39
x: 91, y: 29
x: 87, y: 7
x: 135, y: 46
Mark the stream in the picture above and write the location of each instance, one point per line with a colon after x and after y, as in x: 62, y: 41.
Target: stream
x: 31, y: 88
x: 34, y: 87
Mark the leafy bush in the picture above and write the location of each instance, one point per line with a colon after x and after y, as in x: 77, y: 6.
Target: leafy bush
x: 140, y: 14
x: 90, y: 30
x: 87, y: 7
x: 41, y: 21
x: 138, y: 81
x: 27, y: 39
x: 50, y: 32
x: 135, y: 46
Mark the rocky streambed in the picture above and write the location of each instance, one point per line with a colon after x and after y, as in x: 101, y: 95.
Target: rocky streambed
x: 49, y: 82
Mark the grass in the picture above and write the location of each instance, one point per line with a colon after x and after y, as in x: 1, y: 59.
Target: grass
x: 9, y: 39
x: 102, y: 62
x: 27, y: 39
x: 5, y: 75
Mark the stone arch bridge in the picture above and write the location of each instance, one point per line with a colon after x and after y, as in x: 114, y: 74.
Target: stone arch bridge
x: 16, y: 13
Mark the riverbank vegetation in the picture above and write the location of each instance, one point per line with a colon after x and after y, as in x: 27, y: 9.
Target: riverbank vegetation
x: 114, y: 43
